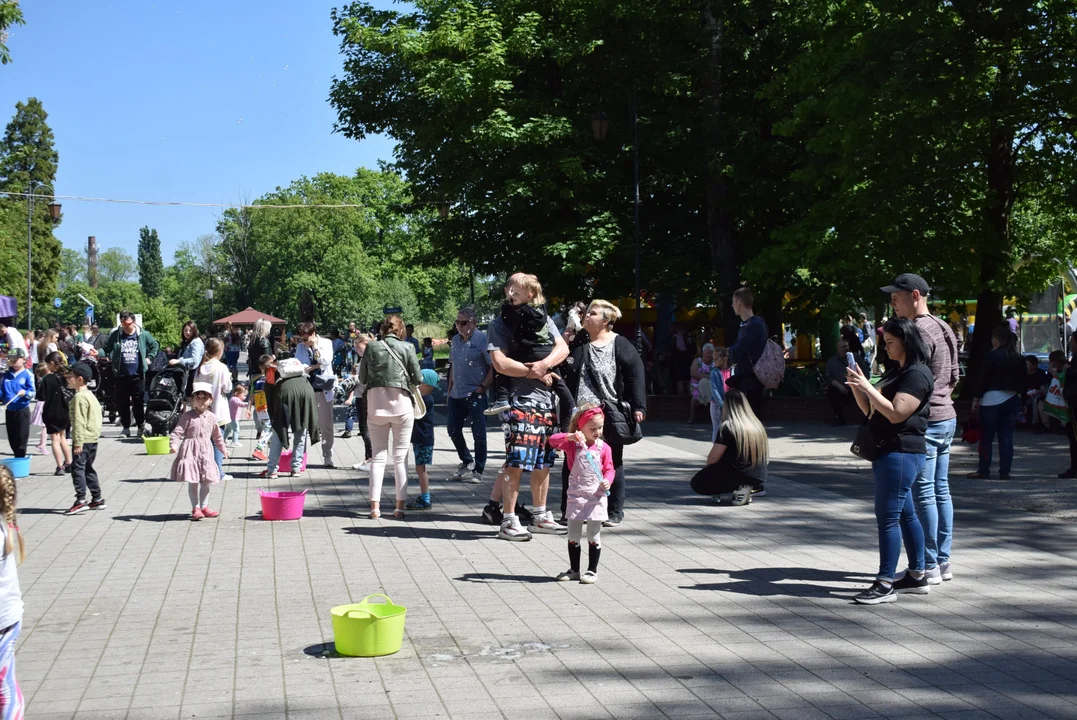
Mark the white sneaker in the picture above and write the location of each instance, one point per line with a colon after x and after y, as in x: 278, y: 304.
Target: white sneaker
x: 513, y: 531
x: 743, y: 495
x: 462, y: 470
x: 364, y: 466
x: 934, y: 575
x: 546, y: 524
x: 227, y: 477
x: 473, y: 478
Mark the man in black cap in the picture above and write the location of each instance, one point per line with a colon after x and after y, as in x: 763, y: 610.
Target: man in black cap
x: 931, y: 490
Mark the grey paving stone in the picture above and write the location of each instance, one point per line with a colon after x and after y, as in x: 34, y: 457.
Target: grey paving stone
x: 701, y: 610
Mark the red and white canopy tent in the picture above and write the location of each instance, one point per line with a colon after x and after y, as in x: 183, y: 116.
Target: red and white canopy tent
x: 248, y: 317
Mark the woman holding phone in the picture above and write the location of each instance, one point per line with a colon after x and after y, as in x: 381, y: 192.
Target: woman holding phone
x: 897, y: 410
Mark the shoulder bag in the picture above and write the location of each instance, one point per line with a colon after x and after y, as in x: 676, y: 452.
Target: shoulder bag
x: 416, y: 396
x: 866, y: 444
x: 621, y: 426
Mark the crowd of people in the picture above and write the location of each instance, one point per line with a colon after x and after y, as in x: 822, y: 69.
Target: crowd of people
x: 581, y: 393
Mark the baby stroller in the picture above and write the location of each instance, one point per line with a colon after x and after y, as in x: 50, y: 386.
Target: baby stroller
x: 103, y: 385
x: 167, y: 390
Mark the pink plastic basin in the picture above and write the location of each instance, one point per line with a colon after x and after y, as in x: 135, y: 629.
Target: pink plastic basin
x: 285, y: 464
x: 282, y: 505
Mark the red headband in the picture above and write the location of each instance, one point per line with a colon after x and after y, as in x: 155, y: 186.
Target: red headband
x: 586, y: 415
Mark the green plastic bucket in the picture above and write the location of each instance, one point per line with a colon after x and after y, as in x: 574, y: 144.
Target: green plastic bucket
x: 156, y: 445
x: 368, y: 629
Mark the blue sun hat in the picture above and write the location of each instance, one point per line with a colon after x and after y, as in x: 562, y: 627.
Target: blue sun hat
x: 430, y: 378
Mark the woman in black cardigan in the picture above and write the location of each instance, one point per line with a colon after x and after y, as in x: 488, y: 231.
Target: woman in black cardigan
x: 609, y: 368
x: 998, y: 401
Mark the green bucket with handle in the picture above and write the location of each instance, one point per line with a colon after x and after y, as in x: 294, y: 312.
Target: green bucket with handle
x: 368, y: 629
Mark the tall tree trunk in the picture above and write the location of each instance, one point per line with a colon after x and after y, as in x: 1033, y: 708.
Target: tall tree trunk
x: 994, y: 251
x: 719, y: 223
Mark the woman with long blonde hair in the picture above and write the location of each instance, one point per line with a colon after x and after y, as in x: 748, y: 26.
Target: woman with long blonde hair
x: 737, y: 462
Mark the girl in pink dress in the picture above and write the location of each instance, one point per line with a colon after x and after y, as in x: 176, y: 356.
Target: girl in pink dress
x: 195, y: 436
x: 588, y: 485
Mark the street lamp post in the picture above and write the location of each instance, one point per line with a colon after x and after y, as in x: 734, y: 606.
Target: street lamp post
x: 600, y: 124
x: 54, y: 216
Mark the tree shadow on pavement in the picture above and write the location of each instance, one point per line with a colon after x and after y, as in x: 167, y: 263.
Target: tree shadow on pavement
x: 790, y: 581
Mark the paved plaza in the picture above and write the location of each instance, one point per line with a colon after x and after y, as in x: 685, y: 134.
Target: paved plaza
x: 700, y: 610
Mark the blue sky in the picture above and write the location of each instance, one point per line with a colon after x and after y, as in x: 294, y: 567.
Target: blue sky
x: 193, y: 101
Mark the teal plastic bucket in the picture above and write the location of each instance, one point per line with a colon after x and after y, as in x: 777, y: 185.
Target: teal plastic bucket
x: 20, y: 467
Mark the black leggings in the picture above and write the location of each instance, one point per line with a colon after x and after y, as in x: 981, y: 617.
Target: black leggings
x: 717, y: 480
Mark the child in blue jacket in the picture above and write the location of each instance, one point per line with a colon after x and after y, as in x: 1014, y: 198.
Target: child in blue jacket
x: 17, y: 392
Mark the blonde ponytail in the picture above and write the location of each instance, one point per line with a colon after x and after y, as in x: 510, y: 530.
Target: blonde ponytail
x: 7, y: 508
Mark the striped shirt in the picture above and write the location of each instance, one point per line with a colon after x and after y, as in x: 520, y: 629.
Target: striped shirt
x: 942, y: 358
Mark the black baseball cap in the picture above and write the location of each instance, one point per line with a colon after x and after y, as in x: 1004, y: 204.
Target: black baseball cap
x: 907, y: 282
x: 82, y: 370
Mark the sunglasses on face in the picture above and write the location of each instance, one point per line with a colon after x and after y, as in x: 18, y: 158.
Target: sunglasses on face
x: 462, y: 323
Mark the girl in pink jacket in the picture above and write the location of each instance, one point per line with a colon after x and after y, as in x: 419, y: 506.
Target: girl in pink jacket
x: 589, y: 480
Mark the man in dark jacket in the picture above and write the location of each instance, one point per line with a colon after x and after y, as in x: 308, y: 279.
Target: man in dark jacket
x: 131, y: 349
x: 746, y: 351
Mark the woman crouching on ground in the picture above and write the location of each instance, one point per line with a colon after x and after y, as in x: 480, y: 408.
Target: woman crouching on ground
x: 737, y: 462
x: 897, y: 411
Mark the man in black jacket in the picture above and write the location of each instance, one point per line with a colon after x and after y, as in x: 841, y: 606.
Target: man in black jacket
x: 746, y: 351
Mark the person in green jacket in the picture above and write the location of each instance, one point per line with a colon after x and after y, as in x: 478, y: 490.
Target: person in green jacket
x: 131, y: 350
x: 292, y: 409
x: 85, y: 432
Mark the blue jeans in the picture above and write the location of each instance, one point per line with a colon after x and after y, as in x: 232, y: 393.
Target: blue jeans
x: 276, y: 447
x: 231, y: 431
x: 469, y: 409
x: 894, y: 513
x: 218, y: 457
x: 932, y: 492
x: 998, y: 420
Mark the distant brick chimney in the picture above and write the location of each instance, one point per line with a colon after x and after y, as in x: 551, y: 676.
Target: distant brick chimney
x: 91, y: 261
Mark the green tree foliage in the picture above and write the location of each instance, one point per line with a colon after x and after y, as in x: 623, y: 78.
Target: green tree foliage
x: 353, y: 261
x: 10, y: 15
x: 28, y: 159
x: 115, y: 265
x: 151, y: 267
x: 72, y: 269
x: 811, y: 147
x: 938, y: 138
x: 492, y: 106
x: 185, y: 283
x: 162, y: 320
x: 114, y: 297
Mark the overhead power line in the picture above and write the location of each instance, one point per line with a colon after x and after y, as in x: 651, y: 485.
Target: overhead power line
x: 177, y: 203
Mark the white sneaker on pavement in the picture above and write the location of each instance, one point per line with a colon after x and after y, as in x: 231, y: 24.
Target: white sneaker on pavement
x: 513, y: 531
x: 364, y: 466
x: 462, y: 471
x: 546, y: 524
x: 473, y: 478
x: 227, y: 477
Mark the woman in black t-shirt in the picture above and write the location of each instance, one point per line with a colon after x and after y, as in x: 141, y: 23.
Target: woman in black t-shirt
x: 897, y: 411
x: 737, y: 462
